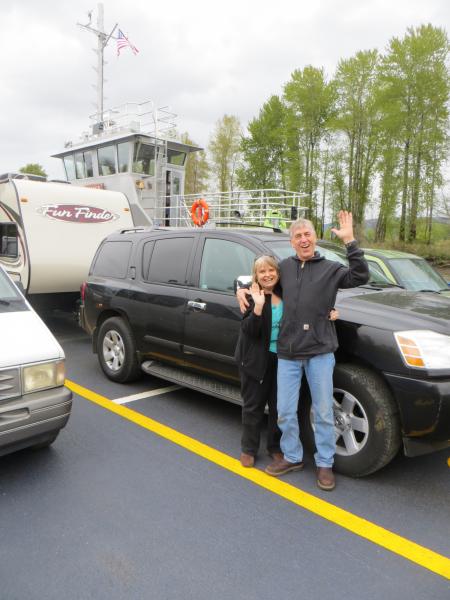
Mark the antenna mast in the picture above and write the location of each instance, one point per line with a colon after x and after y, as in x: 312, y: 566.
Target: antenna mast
x: 102, y: 42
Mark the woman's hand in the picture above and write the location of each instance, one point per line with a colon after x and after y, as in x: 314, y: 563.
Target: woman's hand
x: 334, y: 314
x: 258, y: 298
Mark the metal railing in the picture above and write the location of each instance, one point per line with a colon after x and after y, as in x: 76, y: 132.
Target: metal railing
x: 264, y: 207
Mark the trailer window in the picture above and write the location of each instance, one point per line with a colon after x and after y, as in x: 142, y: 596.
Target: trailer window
x: 122, y: 157
x: 175, y: 157
x: 144, y: 159
x: 106, y: 160
x: 8, y: 240
x: 88, y: 164
x: 69, y: 166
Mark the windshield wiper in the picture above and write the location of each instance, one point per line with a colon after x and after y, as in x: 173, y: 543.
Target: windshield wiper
x: 435, y: 291
x: 4, y: 302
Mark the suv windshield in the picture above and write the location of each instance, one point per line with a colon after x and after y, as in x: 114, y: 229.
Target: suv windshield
x: 283, y: 249
x: 9, y: 296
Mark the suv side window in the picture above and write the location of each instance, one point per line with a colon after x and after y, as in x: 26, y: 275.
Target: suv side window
x: 222, y: 262
x: 112, y: 260
x: 169, y: 261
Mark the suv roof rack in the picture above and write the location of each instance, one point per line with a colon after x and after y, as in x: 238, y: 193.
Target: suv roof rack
x: 136, y: 229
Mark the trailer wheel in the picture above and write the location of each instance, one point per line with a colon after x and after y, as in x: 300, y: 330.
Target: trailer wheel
x: 116, y: 351
x: 367, y: 424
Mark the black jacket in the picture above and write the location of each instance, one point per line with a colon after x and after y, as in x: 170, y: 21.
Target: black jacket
x: 309, y: 293
x: 252, y: 349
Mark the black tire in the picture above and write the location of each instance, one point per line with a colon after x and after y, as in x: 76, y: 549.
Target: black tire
x: 117, y: 351
x: 46, y: 442
x: 366, y: 418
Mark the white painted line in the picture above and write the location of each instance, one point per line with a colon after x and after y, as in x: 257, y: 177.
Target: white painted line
x: 133, y: 397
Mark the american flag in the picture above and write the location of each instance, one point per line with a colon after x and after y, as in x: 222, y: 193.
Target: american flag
x: 124, y: 42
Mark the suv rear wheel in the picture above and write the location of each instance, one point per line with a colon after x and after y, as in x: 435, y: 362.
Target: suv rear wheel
x: 366, y: 421
x: 117, y: 351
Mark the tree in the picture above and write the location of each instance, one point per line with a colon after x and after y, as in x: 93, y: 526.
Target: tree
x: 224, y: 149
x: 196, y: 169
x: 310, y: 101
x: 33, y: 169
x: 357, y: 118
x: 263, y: 148
x: 416, y: 90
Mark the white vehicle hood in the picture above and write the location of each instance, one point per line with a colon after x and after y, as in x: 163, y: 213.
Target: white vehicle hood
x: 24, y: 339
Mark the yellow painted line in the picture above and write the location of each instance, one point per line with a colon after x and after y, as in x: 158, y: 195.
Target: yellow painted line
x: 374, y: 533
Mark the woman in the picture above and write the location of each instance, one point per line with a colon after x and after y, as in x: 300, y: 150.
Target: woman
x: 257, y: 360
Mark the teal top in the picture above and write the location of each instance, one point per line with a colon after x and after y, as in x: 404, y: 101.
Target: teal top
x: 277, y: 313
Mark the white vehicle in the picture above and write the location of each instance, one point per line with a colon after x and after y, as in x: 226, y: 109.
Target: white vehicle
x: 34, y: 404
x: 49, y: 233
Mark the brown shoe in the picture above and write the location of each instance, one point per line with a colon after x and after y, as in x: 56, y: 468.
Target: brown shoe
x: 276, y: 456
x: 280, y: 467
x: 247, y: 460
x: 325, y: 478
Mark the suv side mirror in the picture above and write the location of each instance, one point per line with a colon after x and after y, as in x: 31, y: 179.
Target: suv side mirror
x: 243, y: 281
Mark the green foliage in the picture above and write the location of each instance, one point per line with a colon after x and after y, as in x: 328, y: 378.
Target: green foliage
x: 263, y: 149
x: 224, y: 149
x: 196, y: 169
x: 34, y: 169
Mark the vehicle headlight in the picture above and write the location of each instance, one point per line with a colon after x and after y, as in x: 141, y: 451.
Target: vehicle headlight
x: 424, y: 349
x: 43, y: 376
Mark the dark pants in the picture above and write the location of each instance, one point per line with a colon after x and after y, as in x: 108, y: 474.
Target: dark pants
x: 255, y: 396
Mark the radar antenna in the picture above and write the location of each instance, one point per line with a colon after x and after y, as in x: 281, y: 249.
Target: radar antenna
x: 102, y: 41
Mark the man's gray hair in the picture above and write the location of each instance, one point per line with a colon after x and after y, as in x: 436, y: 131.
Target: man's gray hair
x: 301, y: 223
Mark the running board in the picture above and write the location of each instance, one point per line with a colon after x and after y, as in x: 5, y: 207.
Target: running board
x: 212, y: 387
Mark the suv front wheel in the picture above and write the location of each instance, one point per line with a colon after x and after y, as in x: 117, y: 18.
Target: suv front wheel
x: 117, y: 352
x: 367, y: 426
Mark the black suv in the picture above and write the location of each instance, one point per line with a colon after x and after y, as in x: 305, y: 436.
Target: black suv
x: 163, y: 301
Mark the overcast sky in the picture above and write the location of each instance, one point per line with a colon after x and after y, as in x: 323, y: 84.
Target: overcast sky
x: 202, y: 58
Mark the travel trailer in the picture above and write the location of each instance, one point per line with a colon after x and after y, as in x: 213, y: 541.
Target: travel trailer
x: 50, y: 231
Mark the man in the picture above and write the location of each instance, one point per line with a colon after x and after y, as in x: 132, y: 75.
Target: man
x: 307, y: 342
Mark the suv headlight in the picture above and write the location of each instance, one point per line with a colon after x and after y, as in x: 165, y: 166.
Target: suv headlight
x: 424, y: 349
x: 43, y: 376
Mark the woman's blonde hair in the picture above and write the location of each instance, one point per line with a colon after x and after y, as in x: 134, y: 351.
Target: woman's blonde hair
x: 265, y: 259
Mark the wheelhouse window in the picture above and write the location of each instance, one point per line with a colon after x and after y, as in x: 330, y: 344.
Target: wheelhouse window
x: 123, y: 157
x: 69, y: 166
x: 89, y: 168
x: 79, y: 166
x: 144, y: 159
x: 8, y: 240
x: 175, y: 157
x: 106, y: 160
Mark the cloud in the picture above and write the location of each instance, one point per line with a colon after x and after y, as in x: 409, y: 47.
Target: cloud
x: 200, y: 58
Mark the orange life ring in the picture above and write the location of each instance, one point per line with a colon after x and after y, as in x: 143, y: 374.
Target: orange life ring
x: 199, y: 212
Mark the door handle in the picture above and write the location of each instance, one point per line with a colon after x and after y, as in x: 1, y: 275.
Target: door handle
x: 197, y: 305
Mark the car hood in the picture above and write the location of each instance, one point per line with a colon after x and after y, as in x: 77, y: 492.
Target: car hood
x: 26, y: 339
x: 395, y: 310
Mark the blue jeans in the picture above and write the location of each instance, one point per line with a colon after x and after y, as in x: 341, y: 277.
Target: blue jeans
x: 319, y: 373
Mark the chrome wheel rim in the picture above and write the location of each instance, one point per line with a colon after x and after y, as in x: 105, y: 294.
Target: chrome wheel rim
x: 113, y: 350
x: 351, y: 424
